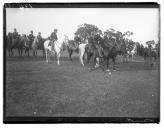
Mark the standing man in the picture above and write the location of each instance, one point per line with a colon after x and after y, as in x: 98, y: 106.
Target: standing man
x: 77, y: 39
x: 31, y: 37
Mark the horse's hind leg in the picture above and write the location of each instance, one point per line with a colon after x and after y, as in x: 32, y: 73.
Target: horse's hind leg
x: 114, y: 63
x: 70, y: 54
x: 28, y: 52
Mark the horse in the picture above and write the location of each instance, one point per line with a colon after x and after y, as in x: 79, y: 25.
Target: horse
x: 20, y: 45
x: 72, y: 47
x: 55, y: 48
x: 108, y: 51
x: 92, y: 50
x: 12, y: 43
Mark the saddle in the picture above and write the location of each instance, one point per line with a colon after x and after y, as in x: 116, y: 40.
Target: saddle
x: 51, y: 43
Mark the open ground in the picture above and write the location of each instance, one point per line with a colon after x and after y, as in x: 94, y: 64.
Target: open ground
x: 35, y: 88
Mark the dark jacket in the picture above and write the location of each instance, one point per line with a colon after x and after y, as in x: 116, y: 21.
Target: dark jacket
x: 39, y: 38
x: 31, y: 37
x: 106, y: 40
x: 77, y: 39
x: 97, y: 38
x: 15, y: 34
x: 53, y: 36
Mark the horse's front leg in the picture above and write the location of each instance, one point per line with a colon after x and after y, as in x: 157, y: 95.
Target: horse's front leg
x: 107, y: 64
x: 21, y: 51
x: 46, y: 56
x: 12, y: 52
x: 43, y: 53
x: 58, y: 57
x: 81, y: 58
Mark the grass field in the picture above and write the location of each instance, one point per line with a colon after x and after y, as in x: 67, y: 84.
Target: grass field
x: 35, y: 88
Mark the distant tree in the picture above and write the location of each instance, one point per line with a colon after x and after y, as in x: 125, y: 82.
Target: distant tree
x: 85, y: 30
x: 128, y: 33
x: 157, y: 47
x: 120, y: 38
x: 150, y: 43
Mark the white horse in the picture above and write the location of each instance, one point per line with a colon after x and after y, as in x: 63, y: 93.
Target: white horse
x: 132, y: 53
x: 82, y: 51
x: 58, y: 46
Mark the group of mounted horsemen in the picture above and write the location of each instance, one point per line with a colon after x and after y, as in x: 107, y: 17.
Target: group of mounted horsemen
x: 99, y: 49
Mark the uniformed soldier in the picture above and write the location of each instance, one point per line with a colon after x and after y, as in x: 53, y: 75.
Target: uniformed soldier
x: 31, y: 37
x: 97, y: 37
x: 15, y: 33
x: 77, y: 39
x: 106, y: 39
x: 39, y: 37
x: 53, y: 38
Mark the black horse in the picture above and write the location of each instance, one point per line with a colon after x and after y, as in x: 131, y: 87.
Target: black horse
x: 13, y: 43
x: 72, y: 47
x: 109, y: 50
x: 93, y: 52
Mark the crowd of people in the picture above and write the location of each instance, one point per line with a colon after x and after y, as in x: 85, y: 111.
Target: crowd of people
x: 92, y: 37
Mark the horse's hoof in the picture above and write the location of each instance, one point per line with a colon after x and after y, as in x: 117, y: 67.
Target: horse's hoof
x: 89, y: 69
x: 110, y: 73
x: 107, y: 70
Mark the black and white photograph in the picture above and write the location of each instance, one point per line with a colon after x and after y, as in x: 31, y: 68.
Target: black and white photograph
x: 81, y: 63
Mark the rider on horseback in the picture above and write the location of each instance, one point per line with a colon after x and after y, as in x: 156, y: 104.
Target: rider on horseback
x: 31, y: 37
x: 53, y: 38
x: 15, y: 33
x: 97, y: 37
x: 77, y: 39
x: 39, y: 37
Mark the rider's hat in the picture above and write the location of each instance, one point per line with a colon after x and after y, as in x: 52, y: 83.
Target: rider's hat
x: 55, y: 30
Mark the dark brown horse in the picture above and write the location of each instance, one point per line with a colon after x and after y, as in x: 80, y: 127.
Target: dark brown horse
x: 109, y: 52
x: 72, y: 47
x: 93, y: 54
x: 12, y: 43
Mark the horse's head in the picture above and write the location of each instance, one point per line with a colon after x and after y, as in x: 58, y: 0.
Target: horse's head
x: 66, y: 40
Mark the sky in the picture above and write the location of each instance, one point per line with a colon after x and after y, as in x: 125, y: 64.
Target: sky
x: 143, y: 22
